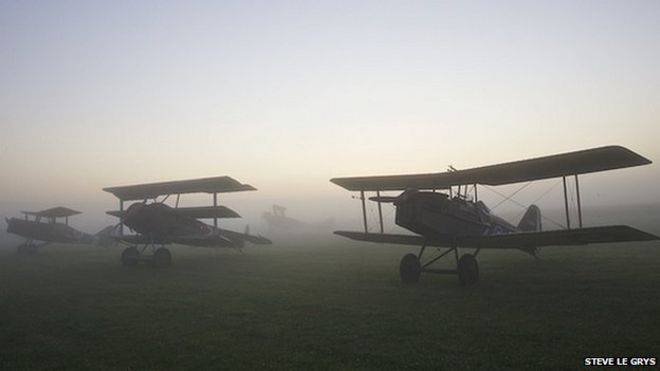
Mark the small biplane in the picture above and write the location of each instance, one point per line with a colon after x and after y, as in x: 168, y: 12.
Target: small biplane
x: 449, y: 220
x: 45, y: 227
x: 157, y: 224
x: 277, y: 220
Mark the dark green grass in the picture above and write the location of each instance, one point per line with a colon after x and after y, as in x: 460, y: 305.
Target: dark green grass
x: 325, y: 304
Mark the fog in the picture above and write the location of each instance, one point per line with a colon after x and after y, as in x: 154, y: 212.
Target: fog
x: 603, y: 197
x: 315, y: 203
x: 285, y: 95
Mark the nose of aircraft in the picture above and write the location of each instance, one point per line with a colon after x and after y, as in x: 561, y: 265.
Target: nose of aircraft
x: 132, y: 211
x: 405, y: 195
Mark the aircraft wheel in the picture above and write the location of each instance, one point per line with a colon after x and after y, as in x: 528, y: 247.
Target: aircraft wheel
x: 410, y: 269
x: 468, y: 270
x: 162, y: 258
x: 129, y: 256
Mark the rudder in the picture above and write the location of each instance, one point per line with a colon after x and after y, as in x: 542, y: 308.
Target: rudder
x: 531, y: 221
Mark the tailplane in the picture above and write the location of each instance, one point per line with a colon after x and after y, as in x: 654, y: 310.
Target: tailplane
x: 106, y: 236
x: 531, y: 221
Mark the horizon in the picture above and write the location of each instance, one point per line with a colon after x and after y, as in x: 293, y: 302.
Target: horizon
x: 285, y: 96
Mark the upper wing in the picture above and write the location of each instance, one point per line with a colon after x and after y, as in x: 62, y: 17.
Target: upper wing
x: 567, y: 237
x: 200, y: 212
x: 571, y: 163
x: 219, y: 184
x: 55, y: 212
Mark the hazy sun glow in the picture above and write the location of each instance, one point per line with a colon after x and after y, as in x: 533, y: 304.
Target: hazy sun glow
x: 285, y: 95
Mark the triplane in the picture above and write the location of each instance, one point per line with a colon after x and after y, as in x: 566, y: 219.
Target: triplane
x: 44, y: 226
x: 157, y: 224
x: 451, y: 221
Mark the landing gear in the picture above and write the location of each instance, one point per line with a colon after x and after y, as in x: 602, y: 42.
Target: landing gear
x: 130, y: 256
x: 468, y: 270
x: 162, y: 258
x: 410, y: 269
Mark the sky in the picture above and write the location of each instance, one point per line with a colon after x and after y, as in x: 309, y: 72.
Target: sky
x: 285, y: 95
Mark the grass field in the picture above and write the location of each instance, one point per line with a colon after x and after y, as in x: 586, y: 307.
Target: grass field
x: 325, y: 304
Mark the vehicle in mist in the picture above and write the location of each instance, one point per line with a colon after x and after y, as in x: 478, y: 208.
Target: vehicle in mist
x: 278, y: 221
x: 44, y: 229
x: 157, y: 224
x: 451, y: 220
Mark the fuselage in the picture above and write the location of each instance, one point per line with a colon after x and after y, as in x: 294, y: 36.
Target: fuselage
x: 160, y: 220
x: 160, y: 223
x: 436, y: 214
x: 48, y: 232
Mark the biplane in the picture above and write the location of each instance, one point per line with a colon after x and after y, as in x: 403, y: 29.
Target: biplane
x: 436, y: 208
x: 156, y: 223
x: 44, y: 227
x: 277, y: 220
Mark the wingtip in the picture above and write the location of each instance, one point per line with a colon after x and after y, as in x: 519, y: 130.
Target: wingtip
x: 249, y: 187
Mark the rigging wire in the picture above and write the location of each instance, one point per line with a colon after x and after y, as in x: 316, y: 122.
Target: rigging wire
x: 526, y: 206
x: 507, y: 198
x: 538, y: 199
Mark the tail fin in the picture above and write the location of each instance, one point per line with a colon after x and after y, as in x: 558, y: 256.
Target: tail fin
x: 531, y: 221
x: 257, y: 240
x: 104, y: 237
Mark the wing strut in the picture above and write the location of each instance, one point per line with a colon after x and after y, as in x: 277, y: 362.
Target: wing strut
x: 380, y: 213
x: 363, y: 199
x: 364, y: 212
x: 568, y: 219
x: 215, y: 204
x: 579, y: 204
x: 121, y: 223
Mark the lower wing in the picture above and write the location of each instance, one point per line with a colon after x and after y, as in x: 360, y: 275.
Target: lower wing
x: 526, y: 240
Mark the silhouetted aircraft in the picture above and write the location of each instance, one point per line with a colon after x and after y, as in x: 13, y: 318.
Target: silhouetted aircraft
x: 450, y: 220
x: 157, y: 223
x: 278, y: 221
x: 44, y: 227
